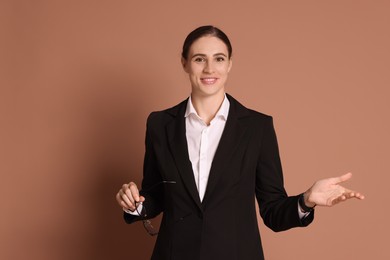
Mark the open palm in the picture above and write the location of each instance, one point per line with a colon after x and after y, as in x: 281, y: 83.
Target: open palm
x: 328, y: 192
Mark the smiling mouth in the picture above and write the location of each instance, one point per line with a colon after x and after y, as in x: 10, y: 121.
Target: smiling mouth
x: 208, y: 81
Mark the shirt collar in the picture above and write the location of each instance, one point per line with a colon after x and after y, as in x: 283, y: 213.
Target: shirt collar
x: 222, y: 112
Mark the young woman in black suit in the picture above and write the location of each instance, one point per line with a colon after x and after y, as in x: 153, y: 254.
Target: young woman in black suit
x: 208, y: 159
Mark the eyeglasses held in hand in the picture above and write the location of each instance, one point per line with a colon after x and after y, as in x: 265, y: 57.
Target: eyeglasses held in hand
x: 146, y: 222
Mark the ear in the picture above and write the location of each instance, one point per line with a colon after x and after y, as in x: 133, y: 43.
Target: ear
x: 184, y: 64
x: 230, y: 64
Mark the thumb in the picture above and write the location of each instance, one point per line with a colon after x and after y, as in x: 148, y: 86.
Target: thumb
x: 343, y: 178
x: 141, y: 198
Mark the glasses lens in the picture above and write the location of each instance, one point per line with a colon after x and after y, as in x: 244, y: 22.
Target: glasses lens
x: 147, y: 223
x: 149, y: 227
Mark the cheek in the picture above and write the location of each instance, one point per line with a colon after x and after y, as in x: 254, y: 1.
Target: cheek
x: 195, y: 70
x: 224, y: 70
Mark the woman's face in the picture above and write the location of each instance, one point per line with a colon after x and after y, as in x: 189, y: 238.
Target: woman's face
x: 208, y: 65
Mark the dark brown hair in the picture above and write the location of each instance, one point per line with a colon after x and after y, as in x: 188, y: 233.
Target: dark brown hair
x: 207, y: 30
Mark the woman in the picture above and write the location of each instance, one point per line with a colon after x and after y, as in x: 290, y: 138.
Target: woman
x: 205, y: 160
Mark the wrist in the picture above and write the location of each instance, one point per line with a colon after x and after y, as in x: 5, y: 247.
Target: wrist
x: 306, y: 199
x: 305, y: 204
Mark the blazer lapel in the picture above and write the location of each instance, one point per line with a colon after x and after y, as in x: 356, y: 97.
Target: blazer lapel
x: 230, y: 139
x: 178, y: 145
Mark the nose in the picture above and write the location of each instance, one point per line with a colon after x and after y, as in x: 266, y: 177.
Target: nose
x: 209, y: 67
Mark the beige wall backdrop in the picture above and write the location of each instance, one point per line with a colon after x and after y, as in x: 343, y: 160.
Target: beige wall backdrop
x: 78, y: 79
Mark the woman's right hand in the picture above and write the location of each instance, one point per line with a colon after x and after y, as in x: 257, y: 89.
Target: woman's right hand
x: 128, y: 196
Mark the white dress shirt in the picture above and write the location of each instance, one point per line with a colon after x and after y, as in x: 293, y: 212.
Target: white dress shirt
x: 203, y: 140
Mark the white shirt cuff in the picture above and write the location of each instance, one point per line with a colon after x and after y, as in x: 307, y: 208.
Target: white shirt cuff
x: 135, y: 212
x: 301, y: 214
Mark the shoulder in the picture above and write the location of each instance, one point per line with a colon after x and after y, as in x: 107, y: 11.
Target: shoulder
x: 248, y: 115
x: 163, y: 117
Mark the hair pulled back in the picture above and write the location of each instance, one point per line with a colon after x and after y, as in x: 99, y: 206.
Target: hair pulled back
x: 207, y: 30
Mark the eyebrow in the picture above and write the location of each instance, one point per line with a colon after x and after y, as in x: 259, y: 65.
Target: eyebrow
x: 204, y: 55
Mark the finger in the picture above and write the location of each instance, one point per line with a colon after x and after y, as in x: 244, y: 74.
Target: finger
x: 346, y: 196
x: 360, y: 196
x: 126, y: 190
x: 120, y: 200
x: 350, y: 195
x: 134, y: 192
x: 128, y: 201
x: 343, y: 178
x: 354, y: 194
x: 125, y: 206
x: 337, y: 200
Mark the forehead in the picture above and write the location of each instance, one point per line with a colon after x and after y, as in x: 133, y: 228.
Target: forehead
x: 208, y: 45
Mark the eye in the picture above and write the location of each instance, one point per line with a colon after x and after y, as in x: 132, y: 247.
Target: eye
x: 199, y: 59
x: 220, y: 59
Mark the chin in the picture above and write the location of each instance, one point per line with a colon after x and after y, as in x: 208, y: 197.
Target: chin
x: 211, y: 92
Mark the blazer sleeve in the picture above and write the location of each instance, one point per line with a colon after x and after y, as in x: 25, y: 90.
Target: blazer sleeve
x: 278, y: 211
x: 151, y: 188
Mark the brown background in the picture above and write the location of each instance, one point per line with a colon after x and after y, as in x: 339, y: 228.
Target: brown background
x: 78, y: 79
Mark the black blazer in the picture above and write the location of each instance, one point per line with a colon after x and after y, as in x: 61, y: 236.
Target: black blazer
x: 246, y: 166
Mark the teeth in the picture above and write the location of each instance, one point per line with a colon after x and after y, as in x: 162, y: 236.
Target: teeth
x: 209, y: 80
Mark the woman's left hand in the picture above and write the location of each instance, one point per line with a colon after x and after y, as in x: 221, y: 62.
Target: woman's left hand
x: 329, y: 192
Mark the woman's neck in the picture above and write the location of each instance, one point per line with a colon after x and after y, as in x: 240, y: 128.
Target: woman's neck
x: 207, y: 107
